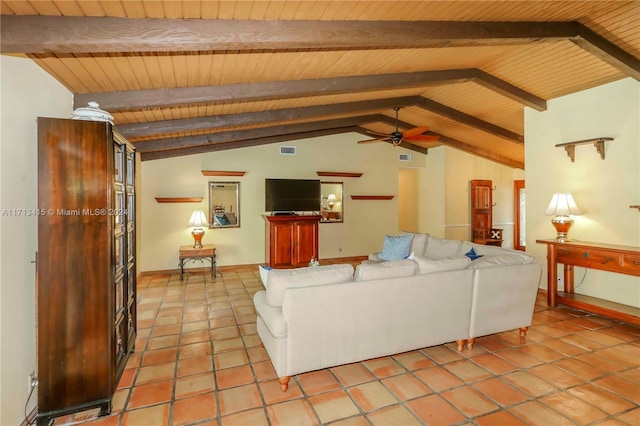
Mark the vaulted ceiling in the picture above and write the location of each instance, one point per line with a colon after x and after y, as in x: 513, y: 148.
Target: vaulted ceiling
x: 186, y: 77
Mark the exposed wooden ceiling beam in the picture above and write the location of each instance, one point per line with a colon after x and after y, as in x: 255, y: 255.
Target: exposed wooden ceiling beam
x: 469, y: 120
x: 462, y: 146
x: 132, y: 131
x: 78, y: 34
x: 474, y: 150
x: 263, y: 132
x: 462, y: 118
x: 159, y: 98
x: 602, y: 48
x: 200, y: 149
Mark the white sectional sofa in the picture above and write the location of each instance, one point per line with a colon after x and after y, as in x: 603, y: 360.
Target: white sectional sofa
x: 314, y: 318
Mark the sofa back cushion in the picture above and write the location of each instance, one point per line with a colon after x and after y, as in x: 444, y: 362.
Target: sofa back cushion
x: 281, y: 279
x: 418, y: 244
x: 379, y: 271
x: 496, y: 261
x: 439, y: 248
x: 481, y: 249
x: 429, y: 266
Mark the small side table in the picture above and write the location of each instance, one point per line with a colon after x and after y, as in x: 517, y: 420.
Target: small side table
x: 206, y: 252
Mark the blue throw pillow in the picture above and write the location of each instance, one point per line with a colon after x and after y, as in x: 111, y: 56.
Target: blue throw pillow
x: 395, y: 248
x: 471, y: 254
x: 222, y: 219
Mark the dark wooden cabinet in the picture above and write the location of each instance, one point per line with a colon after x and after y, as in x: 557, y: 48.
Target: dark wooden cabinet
x: 86, y: 279
x: 482, y: 230
x: 291, y: 241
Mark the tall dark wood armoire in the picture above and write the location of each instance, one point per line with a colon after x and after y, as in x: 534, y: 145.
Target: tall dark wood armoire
x: 86, y: 275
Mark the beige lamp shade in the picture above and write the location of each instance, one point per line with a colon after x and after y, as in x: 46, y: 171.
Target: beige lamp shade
x: 561, y: 206
x: 198, y: 219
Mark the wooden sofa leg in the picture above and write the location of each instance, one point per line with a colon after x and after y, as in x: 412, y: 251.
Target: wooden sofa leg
x: 460, y: 344
x: 284, y: 383
x: 523, y: 332
x: 470, y: 343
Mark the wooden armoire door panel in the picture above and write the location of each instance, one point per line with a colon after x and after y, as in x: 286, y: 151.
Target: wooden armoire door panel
x: 84, y: 290
x: 73, y: 183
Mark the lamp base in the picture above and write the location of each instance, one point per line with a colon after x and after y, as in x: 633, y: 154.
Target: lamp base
x: 197, y: 233
x: 562, y: 225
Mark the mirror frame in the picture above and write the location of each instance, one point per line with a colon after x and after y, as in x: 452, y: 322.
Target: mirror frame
x: 335, y: 215
x: 224, y: 205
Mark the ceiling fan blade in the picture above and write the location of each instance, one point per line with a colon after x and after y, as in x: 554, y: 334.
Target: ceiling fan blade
x: 422, y: 138
x: 374, y: 140
x: 414, y: 131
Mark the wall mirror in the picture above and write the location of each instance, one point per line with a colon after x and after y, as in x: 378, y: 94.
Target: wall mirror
x: 224, y: 204
x: 331, y: 208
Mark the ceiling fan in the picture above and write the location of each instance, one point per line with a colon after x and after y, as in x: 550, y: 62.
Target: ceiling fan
x: 396, y: 137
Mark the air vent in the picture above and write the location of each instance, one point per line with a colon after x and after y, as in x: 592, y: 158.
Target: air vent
x: 404, y: 157
x: 287, y: 150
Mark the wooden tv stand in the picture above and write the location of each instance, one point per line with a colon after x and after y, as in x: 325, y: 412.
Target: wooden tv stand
x: 291, y: 241
x: 605, y: 257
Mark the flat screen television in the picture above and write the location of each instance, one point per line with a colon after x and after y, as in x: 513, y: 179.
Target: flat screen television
x: 292, y: 195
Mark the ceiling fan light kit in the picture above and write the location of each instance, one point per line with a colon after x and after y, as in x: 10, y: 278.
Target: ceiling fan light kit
x: 396, y: 137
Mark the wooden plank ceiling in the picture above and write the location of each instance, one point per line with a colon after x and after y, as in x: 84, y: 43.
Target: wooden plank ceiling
x: 184, y: 77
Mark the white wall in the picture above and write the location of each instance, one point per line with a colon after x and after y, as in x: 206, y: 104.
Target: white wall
x: 602, y: 189
x: 460, y: 169
x: 365, y: 222
x: 26, y: 93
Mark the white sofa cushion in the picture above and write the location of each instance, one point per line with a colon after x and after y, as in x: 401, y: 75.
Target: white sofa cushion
x: 439, y: 248
x: 264, y: 274
x: 494, y: 250
x: 496, y: 260
x: 281, y: 279
x: 429, y: 266
x: 379, y: 271
x: 418, y: 244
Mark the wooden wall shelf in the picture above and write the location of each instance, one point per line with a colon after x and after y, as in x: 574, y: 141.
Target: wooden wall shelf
x: 222, y: 173
x: 570, y: 147
x: 635, y: 207
x: 179, y: 199
x: 340, y: 174
x: 372, y: 197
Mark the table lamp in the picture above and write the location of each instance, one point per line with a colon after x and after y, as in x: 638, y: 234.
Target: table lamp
x: 331, y: 201
x: 561, y: 206
x: 198, y: 220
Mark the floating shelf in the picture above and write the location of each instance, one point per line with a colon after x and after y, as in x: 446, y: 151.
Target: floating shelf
x: 179, y: 199
x: 222, y: 173
x: 570, y: 147
x: 340, y: 174
x: 635, y: 207
x: 372, y: 197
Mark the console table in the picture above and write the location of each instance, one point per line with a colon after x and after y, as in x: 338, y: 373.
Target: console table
x: 206, y: 252
x: 605, y: 257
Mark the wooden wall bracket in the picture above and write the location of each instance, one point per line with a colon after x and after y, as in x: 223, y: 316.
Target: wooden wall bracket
x: 222, y: 173
x: 179, y: 199
x: 339, y: 174
x: 598, y: 143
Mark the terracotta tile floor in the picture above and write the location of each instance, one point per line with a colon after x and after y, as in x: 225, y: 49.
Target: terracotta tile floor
x: 198, y: 360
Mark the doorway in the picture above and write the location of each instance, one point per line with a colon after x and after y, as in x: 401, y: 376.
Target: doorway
x: 519, y: 213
